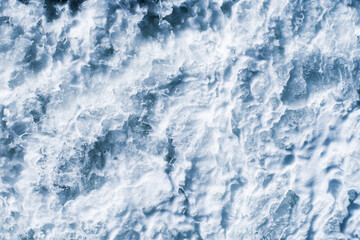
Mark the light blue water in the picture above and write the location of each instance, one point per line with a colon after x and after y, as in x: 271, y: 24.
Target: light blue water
x: 198, y: 119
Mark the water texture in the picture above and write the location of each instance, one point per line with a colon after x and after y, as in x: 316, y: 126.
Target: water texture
x: 180, y: 119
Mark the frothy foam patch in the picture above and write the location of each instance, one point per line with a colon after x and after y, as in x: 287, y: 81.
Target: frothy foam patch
x: 179, y: 119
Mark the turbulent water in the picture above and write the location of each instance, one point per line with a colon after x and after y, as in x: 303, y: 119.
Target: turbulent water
x: 179, y: 119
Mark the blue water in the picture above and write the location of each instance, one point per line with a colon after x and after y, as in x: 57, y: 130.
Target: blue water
x: 197, y: 119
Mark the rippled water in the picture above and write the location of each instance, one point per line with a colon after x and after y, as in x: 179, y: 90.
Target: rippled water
x: 197, y: 119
